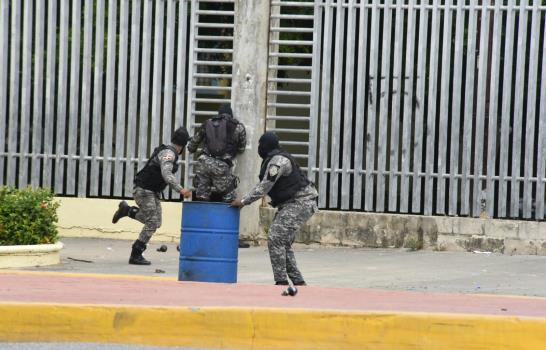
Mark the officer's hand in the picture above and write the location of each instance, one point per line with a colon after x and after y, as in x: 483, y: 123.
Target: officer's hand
x: 237, y: 203
x: 185, y: 193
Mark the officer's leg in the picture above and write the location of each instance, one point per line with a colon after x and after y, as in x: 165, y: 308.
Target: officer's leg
x: 289, y: 220
x: 202, y: 192
x: 276, y: 243
x: 148, y: 213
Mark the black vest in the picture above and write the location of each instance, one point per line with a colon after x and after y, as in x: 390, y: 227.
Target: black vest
x: 149, y: 177
x: 287, y: 185
x: 219, y: 132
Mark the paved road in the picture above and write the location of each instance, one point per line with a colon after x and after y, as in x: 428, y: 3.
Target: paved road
x: 393, y: 269
x: 82, y: 346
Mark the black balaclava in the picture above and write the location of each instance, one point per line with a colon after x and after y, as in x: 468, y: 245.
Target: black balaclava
x: 180, y: 137
x: 268, y: 142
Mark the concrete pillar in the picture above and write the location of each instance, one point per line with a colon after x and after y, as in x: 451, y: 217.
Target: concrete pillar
x: 250, y: 57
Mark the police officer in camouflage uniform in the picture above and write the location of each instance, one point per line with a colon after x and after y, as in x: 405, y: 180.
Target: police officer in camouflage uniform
x: 294, y: 196
x: 222, y: 137
x: 150, y: 182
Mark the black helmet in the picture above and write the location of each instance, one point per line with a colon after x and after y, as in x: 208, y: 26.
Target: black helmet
x: 225, y: 109
x: 180, y: 137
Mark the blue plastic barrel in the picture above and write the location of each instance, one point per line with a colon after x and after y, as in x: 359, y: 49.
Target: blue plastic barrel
x: 209, y: 242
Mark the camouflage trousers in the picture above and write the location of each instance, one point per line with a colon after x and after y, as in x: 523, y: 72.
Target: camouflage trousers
x: 213, y: 178
x: 149, y: 212
x: 282, y: 233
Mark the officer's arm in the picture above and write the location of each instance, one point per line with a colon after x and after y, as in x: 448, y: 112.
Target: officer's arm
x: 273, y: 173
x: 166, y: 160
x: 241, y: 138
x: 196, y: 140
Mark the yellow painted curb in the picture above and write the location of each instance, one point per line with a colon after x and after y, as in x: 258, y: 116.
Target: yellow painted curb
x: 263, y: 329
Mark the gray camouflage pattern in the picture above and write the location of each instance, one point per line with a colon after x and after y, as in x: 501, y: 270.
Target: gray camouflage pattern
x: 282, y: 233
x: 149, y: 212
x: 290, y: 217
x: 214, y: 176
x: 166, y: 161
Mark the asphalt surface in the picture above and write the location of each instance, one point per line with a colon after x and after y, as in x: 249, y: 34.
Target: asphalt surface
x: 83, y: 346
x: 390, y: 269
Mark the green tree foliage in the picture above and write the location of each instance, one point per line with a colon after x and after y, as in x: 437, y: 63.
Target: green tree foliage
x: 27, y: 216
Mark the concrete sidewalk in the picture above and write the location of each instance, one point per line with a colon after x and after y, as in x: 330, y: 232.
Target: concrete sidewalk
x: 391, y: 269
x: 411, y: 300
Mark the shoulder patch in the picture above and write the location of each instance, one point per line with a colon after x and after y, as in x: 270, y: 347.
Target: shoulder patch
x: 273, y: 170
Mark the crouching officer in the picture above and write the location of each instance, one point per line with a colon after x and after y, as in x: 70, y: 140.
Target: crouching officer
x: 149, y: 182
x: 222, y: 137
x: 294, y: 196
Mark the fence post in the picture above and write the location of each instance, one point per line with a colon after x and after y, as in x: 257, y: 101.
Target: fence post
x: 250, y: 55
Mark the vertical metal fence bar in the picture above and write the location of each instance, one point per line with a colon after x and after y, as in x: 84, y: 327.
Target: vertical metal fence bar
x: 348, y: 113
x: 519, y: 94
x: 192, y: 81
x: 397, y: 96
x: 362, y: 79
x: 181, y: 62
x: 373, y: 106
x: 121, y: 100
x: 409, y: 107
x: 325, y: 103
x: 26, y: 92
x: 169, y: 73
x: 109, y: 112
x: 480, y: 109
x: 62, y: 81
x: 86, y: 97
x: 468, y: 108
x: 145, y: 83
x: 4, y: 35
x: 383, y: 80
x: 420, y: 107
x: 432, y: 111
x: 73, y: 103
x: 50, y: 92
x: 97, y: 97
x: 157, y: 77
x: 541, y: 156
x: 531, y: 113
x: 493, y: 112
x: 132, y: 109
x: 506, y: 106
x: 168, y: 91
x: 456, y: 109
x: 14, y: 86
x: 444, y: 113
x: 37, y: 114
x: 336, y: 104
x: 181, y: 75
x: 314, y: 116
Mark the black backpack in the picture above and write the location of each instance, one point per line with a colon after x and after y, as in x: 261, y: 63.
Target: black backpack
x: 219, y: 138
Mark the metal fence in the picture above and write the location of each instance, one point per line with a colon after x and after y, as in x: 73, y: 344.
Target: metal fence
x: 89, y: 87
x: 434, y: 107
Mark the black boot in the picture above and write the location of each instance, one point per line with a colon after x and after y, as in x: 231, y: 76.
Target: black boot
x: 123, y: 210
x: 136, y: 254
x: 281, y: 283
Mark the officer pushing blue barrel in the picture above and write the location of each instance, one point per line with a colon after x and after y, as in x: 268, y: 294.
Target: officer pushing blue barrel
x: 296, y: 199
